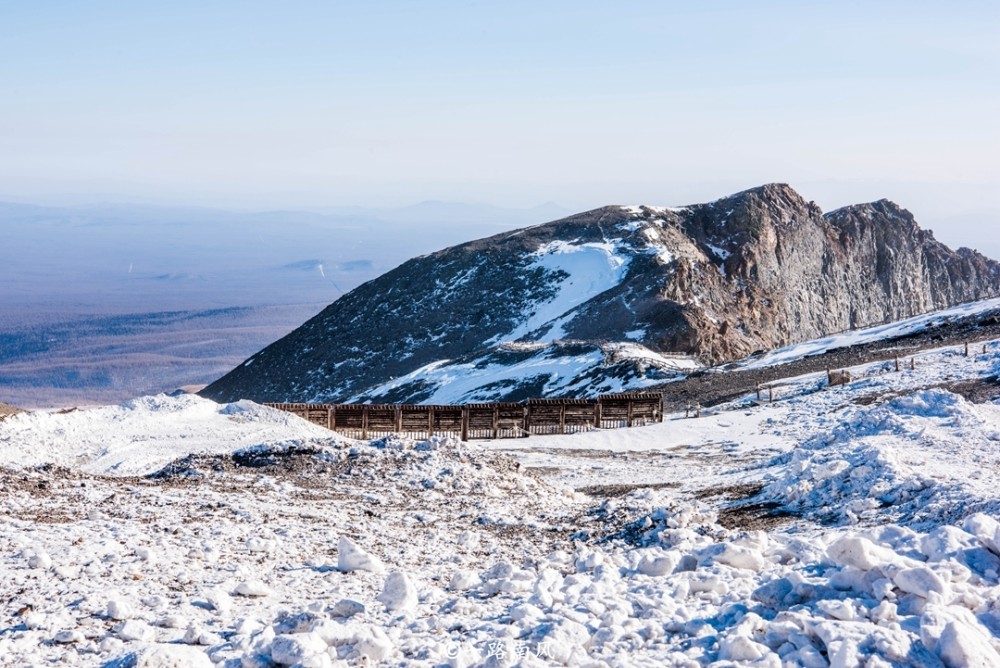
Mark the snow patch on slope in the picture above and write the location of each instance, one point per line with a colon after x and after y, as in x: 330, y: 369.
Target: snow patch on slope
x: 877, y: 333
x: 634, y: 351
x: 641, y: 209
x: 583, y: 271
x: 569, y: 369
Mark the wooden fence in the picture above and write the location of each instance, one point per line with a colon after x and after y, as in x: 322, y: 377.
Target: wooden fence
x: 488, y: 420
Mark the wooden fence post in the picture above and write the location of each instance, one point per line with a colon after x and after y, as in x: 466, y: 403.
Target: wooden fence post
x: 364, y: 422
x: 496, y: 421
x: 628, y: 420
x: 770, y: 393
x: 897, y: 362
x: 329, y: 417
x: 398, y: 419
x: 966, y: 348
x: 758, y: 388
x: 430, y: 422
x: 465, y: 423
x: 597, y: 414
x: 562, y: 418
x: 913, y: 363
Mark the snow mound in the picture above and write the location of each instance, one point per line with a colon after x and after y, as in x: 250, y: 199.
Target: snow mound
x: 914, y: 459
x: 143, y: 435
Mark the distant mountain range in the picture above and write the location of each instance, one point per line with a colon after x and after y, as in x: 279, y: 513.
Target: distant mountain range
x: 616, y: 298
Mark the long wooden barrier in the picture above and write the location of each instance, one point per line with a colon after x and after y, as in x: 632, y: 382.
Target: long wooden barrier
x: 484, y: 420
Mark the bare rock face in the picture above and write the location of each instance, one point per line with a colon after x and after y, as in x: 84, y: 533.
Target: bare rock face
x: 612, y: 299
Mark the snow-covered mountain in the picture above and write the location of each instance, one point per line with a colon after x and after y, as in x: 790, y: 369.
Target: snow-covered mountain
x: 616, y: 298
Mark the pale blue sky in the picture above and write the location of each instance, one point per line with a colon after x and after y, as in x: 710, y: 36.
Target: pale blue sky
x: 267, y: 104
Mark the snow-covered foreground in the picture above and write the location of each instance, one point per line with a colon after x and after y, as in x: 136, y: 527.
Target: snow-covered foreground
x: 281, y: 544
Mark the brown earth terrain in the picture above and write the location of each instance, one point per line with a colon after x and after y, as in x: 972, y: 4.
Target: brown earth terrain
x: 7, y: 409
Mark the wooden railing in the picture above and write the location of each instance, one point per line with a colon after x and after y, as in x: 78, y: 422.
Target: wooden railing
x: 485, y: 420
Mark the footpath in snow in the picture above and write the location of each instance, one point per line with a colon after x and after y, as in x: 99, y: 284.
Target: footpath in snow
x: 174, y: 531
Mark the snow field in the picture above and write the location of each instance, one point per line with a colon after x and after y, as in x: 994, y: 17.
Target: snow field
x: 671, y: 586
x: 283, y: 545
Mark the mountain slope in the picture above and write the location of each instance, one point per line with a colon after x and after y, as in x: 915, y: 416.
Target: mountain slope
x: 756, y: 270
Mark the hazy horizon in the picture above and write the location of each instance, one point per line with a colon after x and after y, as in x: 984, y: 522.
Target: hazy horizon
x: 311, y: 104
x: 955, y: 226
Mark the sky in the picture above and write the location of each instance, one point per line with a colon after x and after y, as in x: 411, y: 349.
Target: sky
x: 256, y: 105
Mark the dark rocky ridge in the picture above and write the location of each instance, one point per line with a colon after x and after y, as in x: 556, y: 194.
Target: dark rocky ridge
x: 757, y: 270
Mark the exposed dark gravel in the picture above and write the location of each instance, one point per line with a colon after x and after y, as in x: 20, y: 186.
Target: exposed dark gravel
x: 720, y: 384
x: 611, y: 491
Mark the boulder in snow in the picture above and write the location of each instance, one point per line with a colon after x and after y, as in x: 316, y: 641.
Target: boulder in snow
x: 134, y: 629
x: 252, y: 588
x: 464, y: 580
x: 167, y: 656
x: 347, y: 607
x: 66, y: 637
x: 120, y: 610
x: 294, y: 648
x: 350, y: 557
x: 859, y: 552
x: 986, y: 529
x: 657, y: 565
x: 398, y: 594
x: 920, y: 581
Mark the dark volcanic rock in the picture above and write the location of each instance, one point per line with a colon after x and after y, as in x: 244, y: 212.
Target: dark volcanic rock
x: 757, y: 270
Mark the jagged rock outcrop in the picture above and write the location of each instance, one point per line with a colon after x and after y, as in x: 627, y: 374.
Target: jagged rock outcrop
x: 605, y: 300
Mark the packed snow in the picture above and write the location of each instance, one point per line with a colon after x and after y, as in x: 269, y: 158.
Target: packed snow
x: 847, y: 526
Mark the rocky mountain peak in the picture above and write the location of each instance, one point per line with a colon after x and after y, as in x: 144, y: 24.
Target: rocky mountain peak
x: 615, y: 298
x: 779, y: 196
